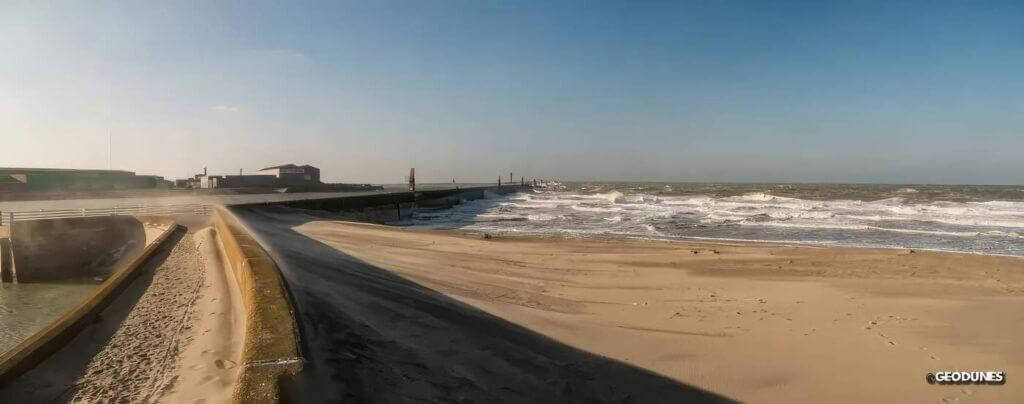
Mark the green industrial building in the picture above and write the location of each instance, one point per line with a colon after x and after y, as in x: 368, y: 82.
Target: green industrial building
x: 57, y: 179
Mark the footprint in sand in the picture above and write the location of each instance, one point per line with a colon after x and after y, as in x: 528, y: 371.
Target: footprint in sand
x: 224, y: 364
x: 955, y: 399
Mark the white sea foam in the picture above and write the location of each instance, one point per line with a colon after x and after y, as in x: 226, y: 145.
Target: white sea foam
x: 610, y: 196
x: 595, y: 209
x: 636, y: 199
x: 996, y: 225
x: 543, y: 217
x: 498, y: 218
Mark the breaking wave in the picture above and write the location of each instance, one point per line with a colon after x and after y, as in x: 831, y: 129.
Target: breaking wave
x: 994, y: 227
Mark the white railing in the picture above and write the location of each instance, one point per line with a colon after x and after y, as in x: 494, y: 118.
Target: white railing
x: 6, y: 218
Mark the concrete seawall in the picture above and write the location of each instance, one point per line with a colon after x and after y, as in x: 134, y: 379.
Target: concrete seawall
x: 42, y: 344
x: 271, y: 347
x: 431, y: 198
x: 69, y: 248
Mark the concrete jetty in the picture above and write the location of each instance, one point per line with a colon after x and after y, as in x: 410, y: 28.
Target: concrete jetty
x: 435, y: 198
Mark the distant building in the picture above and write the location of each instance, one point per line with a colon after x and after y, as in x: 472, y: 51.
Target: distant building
x: 206, y: 181
x: 291, y: 174
x: 158, y: 181
x: 289, y: 178
x: 246, y: 181
x: 58, y: 179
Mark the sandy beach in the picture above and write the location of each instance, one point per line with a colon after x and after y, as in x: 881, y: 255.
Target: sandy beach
x: 751, y: 322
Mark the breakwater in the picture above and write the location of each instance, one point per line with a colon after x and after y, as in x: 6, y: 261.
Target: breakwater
x: 440, y: 198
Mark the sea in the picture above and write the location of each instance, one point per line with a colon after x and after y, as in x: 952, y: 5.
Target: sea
x: 983, y: 219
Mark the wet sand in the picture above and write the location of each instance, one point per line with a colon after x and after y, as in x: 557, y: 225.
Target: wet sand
x: 398, y: 314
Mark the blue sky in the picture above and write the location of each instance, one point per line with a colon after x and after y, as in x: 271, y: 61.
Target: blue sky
x: 899, y: 92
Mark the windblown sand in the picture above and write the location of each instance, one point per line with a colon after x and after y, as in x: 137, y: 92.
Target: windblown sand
x: 138, y: 361
x: 758, y: 323
x: 208, y: 365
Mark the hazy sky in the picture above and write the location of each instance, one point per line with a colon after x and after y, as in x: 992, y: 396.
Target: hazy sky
x: 889, y: 91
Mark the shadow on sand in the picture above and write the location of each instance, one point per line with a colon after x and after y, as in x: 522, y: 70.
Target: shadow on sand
x: 371, y: 336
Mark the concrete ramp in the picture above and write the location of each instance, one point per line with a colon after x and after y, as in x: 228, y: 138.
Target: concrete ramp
x: 74, y: 248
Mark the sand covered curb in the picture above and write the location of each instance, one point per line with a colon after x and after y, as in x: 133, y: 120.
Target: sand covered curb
x: 38, y: 347
x: 271, y: 338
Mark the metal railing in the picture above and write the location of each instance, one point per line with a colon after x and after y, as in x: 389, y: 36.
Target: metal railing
x: 6, y: 218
